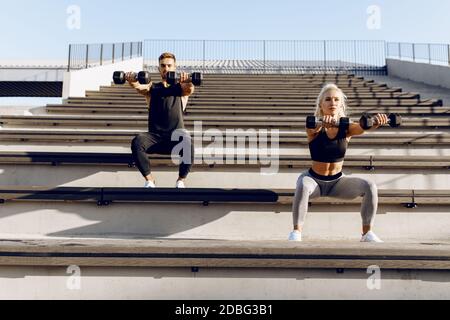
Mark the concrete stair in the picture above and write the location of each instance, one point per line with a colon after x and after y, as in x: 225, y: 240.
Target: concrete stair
x: 83, y: 145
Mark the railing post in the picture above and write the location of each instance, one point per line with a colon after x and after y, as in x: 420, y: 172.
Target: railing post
x: 131, y: 50
x: 123, y: 50
x: 204, y: 55
x: 70, y: 57
x: 448, y: 52
x: 113, y: 52
x: 264, y: 55
x: 400, y: 50
x: 101, y: 54
x: 429, y: 52
x: 414, y: 52
x: 87, y: 56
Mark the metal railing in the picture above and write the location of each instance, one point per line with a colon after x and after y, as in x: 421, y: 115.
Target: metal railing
x: 83, y: 56
x: 270, y: 56
x: 419, y: 52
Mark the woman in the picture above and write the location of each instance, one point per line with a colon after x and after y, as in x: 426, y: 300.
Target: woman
x: 328, y: 144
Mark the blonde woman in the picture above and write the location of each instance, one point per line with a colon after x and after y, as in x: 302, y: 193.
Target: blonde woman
x: 328, y: 144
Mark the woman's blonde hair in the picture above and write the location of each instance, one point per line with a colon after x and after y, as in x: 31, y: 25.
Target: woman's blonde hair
x: 343, y: 101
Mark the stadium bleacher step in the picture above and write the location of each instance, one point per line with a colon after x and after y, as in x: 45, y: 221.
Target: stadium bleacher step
x: 223, y: 254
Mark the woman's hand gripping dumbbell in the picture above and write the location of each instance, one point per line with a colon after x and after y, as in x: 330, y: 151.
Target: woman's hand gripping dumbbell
x: 327, y: 121
x: 368, y: 121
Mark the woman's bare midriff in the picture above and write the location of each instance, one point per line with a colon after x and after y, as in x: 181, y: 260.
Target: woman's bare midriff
x: 327, y: 169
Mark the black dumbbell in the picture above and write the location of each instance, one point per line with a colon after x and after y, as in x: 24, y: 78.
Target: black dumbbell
x: 172, y: 78
x: 143, y: 77
x: 366, y: 122
x: 312, y: 122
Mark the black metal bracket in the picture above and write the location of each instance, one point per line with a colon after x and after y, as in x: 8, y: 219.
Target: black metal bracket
x: 370, y: 167
x: 102, y: 202
x: 413, y: 204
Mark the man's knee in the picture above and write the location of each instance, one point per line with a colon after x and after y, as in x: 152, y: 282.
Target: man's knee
x: 138, y: 142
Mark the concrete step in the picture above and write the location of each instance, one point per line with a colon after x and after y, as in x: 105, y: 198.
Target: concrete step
x: 224, y: 254
x: 394, y: 222
x: 261, y: 176
x: 131, y: 94
x: 304, y: 110
x: 135, y: 98
x: 286, y: 138
x: 403, y: 153
x: 252, y: 91
x: 209, y: 121
x: 301, y: 103
x: 257, y: 270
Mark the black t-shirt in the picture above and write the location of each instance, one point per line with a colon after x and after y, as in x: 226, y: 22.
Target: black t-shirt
x: 166, y: 109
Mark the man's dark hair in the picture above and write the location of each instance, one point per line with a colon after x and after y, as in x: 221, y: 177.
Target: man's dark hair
x: 166, y: 55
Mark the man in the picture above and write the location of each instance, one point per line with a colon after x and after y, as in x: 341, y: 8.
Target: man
x: 165, y: 123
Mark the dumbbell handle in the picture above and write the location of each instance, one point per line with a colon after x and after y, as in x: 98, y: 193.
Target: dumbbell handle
x: 393, y: 120
x: 337, y: 123
x: 134, y: 76
x: 178, y: 76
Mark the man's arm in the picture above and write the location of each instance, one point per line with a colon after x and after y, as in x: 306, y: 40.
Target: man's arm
x: 184, y: 102
x: 143, y: 89
x: 187, y: 89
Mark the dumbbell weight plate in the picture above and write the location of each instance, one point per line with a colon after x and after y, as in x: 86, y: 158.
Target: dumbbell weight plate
x: 196, y: 79
x: 171, y: 78
x: 119, y: 77
x: 395, y: 120
x: 311, y: 122
x: 344, y: 123
x: 366, y: 121
x: 144, y: 77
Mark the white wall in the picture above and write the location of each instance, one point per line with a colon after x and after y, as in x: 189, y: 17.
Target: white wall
x: 77, y: 82
x: 32, y: 74
x: 420, y: 72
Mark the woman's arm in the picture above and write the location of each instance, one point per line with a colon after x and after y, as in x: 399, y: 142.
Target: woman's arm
x: 312, y: 133
x: 355, y: 129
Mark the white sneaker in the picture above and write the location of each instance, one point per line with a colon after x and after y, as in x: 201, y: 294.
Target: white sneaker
x: 180, y: 185
x: 295, y: 236
x: 149, y: 184
x: 370, y: 237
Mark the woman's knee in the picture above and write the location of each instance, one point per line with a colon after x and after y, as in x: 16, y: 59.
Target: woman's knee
x: 369, y: 187
x: 305, y: 185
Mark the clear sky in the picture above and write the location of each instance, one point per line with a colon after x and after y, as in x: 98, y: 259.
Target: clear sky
x: 40, y: 29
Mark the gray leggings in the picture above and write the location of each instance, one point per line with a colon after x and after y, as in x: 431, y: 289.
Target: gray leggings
x: 310, y: 186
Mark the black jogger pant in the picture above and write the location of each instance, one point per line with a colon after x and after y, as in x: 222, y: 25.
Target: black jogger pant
x: 156, y: 143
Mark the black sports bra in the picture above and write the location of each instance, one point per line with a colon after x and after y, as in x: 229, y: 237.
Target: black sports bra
x: 324, y: 149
